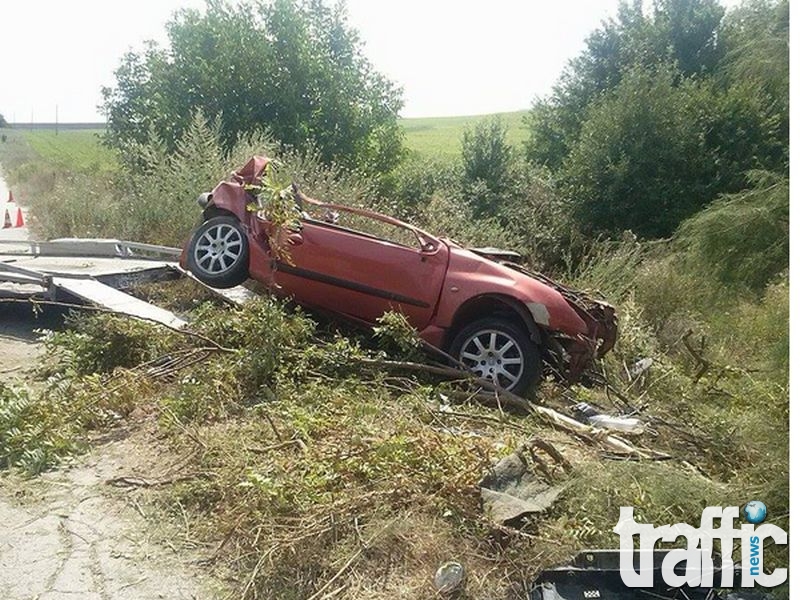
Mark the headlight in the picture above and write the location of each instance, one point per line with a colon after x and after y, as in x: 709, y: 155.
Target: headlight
x: 204, y: 199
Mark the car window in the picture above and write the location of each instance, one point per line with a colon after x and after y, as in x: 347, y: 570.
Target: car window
x: 364, y: 225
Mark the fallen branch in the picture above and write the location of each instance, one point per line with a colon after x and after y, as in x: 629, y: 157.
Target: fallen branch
x: 702, y: 364
x: 132, y: 481
x: 511, y: 400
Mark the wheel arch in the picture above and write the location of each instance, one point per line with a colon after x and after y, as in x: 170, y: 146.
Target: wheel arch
x: 215, y: 211
x: 498, y: 305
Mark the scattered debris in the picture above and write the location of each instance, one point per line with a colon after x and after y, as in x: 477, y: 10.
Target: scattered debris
x: 640, y: 367
x: 522, y: 483
x: 450, y: 578
x: 595, y: 418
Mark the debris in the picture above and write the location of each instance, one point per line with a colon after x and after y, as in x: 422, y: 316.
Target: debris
x: 640, y: 367
x: 450, y: 578
x: 512, y: 490
x: 595, y: 418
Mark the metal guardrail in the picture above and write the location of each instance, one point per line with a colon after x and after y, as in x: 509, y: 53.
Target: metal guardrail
x: 89, y: 248
x: 17, y: 268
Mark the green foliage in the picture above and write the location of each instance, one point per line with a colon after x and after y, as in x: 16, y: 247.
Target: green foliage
x: 294, y: 67
x: 540, y: 221
x: 101, y: 343
x: 27, y: 438
x: 640, y: 162
x: 276, y: 203
x: 662, y: 112
x: 3, y: 122
x: 452, y: 217
x: 487, y: 159
x: 39, y: 429
x: 683, y: 32
x: 756, y: 35
x: 742, y: 239
x: 396, y: 334
x: 410, y: 187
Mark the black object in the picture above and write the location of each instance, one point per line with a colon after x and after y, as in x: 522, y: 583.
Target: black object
x: 594, y: 574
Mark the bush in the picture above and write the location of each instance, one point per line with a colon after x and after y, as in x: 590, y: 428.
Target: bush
x: 641, y: 162
x: 742, y: 239
x: 31, y: 437
x: 410, y: 187
x: 487, y: 159
x: 101, y: 343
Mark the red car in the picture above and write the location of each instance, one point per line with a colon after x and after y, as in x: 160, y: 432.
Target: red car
x: 499, y: 320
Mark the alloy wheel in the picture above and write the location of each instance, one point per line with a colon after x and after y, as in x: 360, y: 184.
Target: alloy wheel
x: 493, y: 355
x: 218, y: 249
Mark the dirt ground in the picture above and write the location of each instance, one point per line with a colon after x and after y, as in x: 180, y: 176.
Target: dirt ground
x: 70, y: 535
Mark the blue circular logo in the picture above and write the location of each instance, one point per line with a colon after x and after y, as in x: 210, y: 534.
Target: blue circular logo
x: 755, y: 512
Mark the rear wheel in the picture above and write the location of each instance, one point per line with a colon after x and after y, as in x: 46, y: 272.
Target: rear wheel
x: 218, y: 253
x: 499, y: 351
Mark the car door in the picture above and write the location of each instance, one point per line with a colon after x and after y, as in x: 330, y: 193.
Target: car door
x: 348, y: 271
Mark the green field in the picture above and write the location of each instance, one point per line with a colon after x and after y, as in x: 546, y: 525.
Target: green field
x: 78, y: 150
x: 81, y: 150
x: 441, y: 136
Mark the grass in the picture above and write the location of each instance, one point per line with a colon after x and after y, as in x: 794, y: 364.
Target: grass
x: 441, y: 136
x: 78, y: 150
x: 303, y: 457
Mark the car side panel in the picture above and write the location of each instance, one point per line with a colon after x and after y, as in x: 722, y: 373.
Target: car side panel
x: 361, y: 276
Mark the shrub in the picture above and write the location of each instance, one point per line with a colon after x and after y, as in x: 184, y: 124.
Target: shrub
x: 742, y: 239
x: 487, y: 158
x: 101, y: 343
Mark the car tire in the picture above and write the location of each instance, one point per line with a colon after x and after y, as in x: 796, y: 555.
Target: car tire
x: 218, y: 253
x: 500, y: 351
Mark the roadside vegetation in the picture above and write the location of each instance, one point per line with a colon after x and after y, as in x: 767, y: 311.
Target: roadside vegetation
x: 314, y: 467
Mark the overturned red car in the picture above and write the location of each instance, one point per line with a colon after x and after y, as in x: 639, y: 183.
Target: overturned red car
x: 501, y: 321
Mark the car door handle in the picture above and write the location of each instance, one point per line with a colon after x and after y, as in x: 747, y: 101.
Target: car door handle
x: 294, y: 239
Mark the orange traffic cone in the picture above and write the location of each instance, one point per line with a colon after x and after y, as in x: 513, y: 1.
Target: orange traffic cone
x: 20, y: 220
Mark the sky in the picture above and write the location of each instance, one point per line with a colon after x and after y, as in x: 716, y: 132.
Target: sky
x: 452, y: 57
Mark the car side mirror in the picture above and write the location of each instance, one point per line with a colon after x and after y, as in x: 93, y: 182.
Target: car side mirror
x: 428, y: 248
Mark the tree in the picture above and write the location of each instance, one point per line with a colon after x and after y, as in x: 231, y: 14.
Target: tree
x: 756, y: 64
x: 662, y: 112
x: 641, y: 162
x: 3, y: 122
x: 294, y: 67
x: 487, y: 159
x: 681, y: 32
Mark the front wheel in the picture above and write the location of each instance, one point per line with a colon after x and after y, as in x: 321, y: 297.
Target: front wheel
x: 218, y: 253
x: 499, y: 351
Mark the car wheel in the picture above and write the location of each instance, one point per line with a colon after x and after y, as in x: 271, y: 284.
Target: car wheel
x: 499, y: 351
x: 218, y: 253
